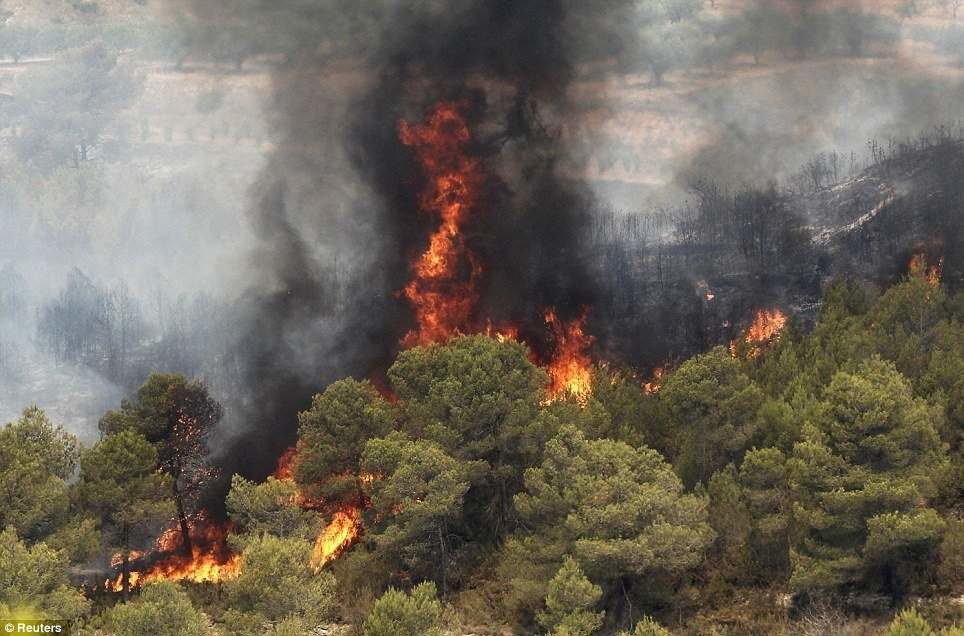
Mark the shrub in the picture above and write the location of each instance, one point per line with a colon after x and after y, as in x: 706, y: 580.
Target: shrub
x: 276, y: 581
x: 569, y: 603
x: 399, y: 614
x: 163, y: 609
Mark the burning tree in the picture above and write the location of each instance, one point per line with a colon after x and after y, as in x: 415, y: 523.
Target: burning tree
x: 766, y: 327
x: 570, y: 370
x: 444, y: 289
x: 326, y: 461
x: 120, y: 484
x: 177, y: 416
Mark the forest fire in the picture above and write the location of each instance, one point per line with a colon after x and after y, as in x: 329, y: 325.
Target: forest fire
x: 704, y: 288
x: 766, y: 327
x: 443, y: 291
x: 918, y: 269
x: 286, y: 465
x: 345, y: 525
x: 210, y: 560
x: 653, y: 385
x: 338, y: 536
x: 570, y: 370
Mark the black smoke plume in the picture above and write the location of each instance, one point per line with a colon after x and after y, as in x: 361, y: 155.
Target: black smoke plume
x: 336, y: 208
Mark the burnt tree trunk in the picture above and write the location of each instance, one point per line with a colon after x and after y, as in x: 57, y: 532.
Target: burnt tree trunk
x: 186, y: 545
x: 126, y: 566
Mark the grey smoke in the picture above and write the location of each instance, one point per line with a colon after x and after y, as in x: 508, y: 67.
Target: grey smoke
x: 301, y: 231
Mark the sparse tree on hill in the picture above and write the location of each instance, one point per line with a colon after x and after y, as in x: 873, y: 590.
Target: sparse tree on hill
x: 120, y: 485
x: 332, y: 436
x: 65, y: 108
x: 177, y: 416
x: 860, y: 480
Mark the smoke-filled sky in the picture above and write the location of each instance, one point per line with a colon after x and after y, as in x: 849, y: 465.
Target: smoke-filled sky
x: 235, y: 166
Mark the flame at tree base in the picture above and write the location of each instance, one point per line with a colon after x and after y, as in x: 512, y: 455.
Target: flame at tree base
x: 210, y: 560
x: 918, y: 269
x: 654, y: 384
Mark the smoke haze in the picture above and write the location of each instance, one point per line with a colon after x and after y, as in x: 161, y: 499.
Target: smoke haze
x: 262, y: 215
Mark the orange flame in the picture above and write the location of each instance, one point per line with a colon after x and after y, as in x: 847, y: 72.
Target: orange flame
x: 338, y: 536
x: 285, y: 472
x: 918, y: 269
x: 210, y: 559
x: 570, y: 370
x: 653, y: 386
x: 502, y: 333
x: 286, y: 464
x: 443, y: 291
x: 766, y: 327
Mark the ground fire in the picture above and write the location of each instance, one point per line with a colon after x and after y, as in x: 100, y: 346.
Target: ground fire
x: 338, y: 536
x: 570, y: 370
x: 918, y: 269
x: 286, y: 465
x: 655, y: 383
x: 766, y: 327
x: 210, y: 560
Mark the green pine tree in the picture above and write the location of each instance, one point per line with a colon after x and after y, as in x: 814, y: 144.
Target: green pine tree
x: 569, y: 603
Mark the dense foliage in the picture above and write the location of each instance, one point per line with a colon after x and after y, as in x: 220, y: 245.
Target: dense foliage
x: 826, y: 465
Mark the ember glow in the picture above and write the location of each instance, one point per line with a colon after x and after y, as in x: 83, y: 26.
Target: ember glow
x: 210, y: 561
x: 570, y: 370
x: 443, y: 290
x: 338, y: 536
